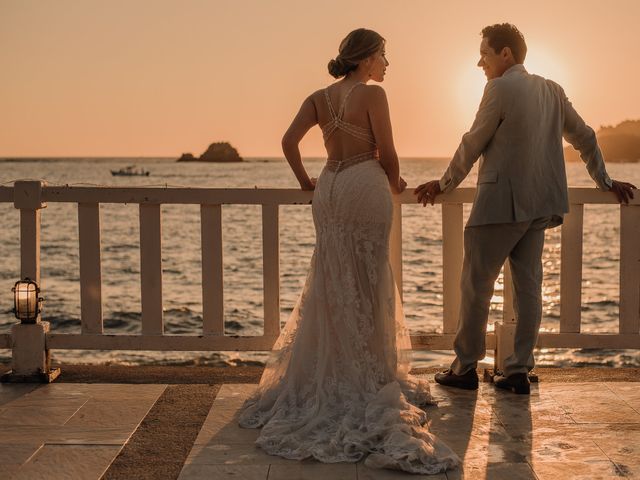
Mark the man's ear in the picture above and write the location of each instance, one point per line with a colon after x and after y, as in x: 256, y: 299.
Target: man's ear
x: 506, y: 53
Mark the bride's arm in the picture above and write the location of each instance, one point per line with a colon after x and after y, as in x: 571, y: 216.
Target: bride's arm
x: 381, y: 126
x: 304, y: 120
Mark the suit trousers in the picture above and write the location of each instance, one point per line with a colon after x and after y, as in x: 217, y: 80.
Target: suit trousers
x: 486, y: 248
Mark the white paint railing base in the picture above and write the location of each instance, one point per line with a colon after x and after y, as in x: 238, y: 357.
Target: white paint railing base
x: 505, y: 333
x: 228, y: 343
x: 31, y: 360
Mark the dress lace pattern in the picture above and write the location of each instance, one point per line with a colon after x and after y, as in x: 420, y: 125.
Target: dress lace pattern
x: 337, y: 386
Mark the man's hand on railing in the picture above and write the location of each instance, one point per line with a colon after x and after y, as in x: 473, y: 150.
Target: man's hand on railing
x: 622, y: 190
x: 427, y: 192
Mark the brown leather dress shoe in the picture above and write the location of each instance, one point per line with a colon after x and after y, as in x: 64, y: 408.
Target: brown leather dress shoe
x: 467, y: 381
x: 517, y: 383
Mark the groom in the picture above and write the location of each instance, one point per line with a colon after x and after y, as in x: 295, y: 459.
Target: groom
x: 522, y: 190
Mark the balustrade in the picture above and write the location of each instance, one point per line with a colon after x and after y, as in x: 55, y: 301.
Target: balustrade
x: 212, y: 201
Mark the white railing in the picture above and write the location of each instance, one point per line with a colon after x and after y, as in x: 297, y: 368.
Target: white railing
x: 28, y: 197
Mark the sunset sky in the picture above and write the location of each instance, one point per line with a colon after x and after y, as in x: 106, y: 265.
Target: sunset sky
x: 159, y: 77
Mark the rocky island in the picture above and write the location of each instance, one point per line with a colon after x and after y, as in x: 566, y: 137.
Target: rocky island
x: 217, y: 152
x: 618, y: 144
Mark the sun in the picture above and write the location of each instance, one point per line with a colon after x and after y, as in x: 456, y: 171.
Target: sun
x: 541, y: 62
x: 470, y: 80
x: 468, y: 88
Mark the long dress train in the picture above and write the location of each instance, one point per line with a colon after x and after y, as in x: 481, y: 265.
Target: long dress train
x: 337, y: 387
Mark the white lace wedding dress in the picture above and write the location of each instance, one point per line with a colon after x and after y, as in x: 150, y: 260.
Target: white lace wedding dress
x: 337, y: 387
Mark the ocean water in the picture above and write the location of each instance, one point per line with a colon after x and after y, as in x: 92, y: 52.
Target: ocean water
x: 422, y: 261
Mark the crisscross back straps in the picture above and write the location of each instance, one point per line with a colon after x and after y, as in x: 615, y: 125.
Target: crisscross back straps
x: 337, y: 123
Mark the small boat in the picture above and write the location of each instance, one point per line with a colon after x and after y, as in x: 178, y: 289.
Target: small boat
x: 130, y: 171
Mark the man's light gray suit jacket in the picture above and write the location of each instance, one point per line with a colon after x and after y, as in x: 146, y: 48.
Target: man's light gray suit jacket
x: 518, y: 131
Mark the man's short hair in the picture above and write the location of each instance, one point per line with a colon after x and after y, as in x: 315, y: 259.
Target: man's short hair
x: 503, y: 35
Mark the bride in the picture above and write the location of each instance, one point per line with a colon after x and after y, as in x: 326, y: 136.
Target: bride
x: 338, y: 387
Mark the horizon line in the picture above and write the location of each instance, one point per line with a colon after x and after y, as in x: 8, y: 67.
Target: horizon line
x: 265, y: 157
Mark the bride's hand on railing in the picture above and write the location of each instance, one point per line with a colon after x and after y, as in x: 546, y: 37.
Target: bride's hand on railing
x: 400, y: 187
x: 309, y: 186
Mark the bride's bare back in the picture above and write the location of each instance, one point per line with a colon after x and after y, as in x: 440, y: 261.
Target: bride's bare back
x: 366, y: 109
x: 343, y: 114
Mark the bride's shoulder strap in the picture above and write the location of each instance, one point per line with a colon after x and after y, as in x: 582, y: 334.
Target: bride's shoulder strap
x: 346, y: 97
x: 332, y: 112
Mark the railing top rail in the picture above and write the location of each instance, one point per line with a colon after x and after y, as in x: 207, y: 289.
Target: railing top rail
x: 252, y: 196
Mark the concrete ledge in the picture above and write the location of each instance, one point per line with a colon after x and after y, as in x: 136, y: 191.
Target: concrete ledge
x: 40, y: 377
x: 217, y: 375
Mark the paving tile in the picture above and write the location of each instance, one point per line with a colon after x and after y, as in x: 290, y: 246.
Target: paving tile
x: 552, y: 448
x: 17, y: 453
x: 25, y: 434
x: 366, y: 473
x: 12, y: 391
x: 222, y: 472
x: 623, y: 448
x: 565, y: 449
x: 626, y: 469
x: 68, y: 461
x: 222, y: 429
x: 111, y: 412
x: 483, y: 453
x: 601, y: 470
x: 576, y: 387
x: 8, y: 470
x: 311, y: 470
x: 230, y: 454
x: 492, y: 471
x: 124, y: 391
x: 604, y: 412
x: 37, y: 415
x: 560, y: 431
x: 226, y: 414
x: 462, y: 435
x: 512, y: 410
x: 234, y: 394
x: 629, y: 392
x: 53, y: 394
x: 45, y: 399
x: 57, y: 392
x: 595, y: 405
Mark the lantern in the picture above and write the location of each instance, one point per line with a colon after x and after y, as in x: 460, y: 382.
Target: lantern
x: 26, y: 301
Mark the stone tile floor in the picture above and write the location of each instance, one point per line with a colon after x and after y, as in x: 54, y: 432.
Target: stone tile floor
x: 562, y: 431
x: 68, y: 430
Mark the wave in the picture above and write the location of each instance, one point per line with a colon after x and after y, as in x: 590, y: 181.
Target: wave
x: 599, y: 303
x: 121, y: 247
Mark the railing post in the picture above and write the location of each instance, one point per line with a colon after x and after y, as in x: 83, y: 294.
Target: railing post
x: 90, y: 269
x: 630, y: 269
x: 571, y: 270
x: 151, y: 269
x: 505, y: 331
x: 452, y: 255
x: 31, y: 360
x: 212, y: 270
x: 271, y: 269
x: 395, y: 246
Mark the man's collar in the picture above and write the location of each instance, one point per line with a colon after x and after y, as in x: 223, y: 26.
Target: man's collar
x: 517, y: 68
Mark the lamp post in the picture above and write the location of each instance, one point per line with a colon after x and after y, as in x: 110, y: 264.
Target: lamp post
x: 30, y: 359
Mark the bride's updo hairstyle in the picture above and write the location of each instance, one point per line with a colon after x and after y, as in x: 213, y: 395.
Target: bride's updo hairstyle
x: 355, y: 47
